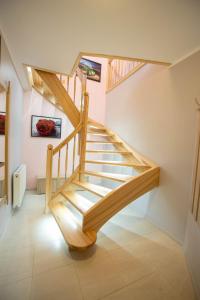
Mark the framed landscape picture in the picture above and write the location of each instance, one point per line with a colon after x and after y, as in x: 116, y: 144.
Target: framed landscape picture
x: 48, y: 127
x: 2, y: 123
x: 90, y: 68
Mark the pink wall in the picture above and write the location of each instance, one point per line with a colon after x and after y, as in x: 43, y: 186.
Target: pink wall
x: 97, y: 93
x: 34, y: 149
x: 96, y: 90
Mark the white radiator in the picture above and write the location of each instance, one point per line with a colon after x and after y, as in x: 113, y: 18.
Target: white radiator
x: 19, y: 185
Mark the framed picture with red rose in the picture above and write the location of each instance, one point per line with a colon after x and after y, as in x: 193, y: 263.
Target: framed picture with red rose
x: 2, y: 122
x: 47, y: 127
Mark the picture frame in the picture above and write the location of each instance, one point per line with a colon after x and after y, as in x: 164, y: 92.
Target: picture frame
x: 46, y: 127
x: 90, y: 68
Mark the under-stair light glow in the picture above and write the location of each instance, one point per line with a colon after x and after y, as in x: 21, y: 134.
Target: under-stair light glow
x: 29, y: 69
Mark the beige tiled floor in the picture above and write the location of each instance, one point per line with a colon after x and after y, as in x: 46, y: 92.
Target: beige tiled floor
x: 132, y: 260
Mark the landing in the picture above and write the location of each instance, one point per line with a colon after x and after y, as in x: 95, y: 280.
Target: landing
x: 131, y: 257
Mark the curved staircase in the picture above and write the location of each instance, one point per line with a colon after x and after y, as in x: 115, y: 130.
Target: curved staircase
x: 105, y: 173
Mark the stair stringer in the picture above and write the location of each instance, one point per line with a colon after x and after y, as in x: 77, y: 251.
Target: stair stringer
x: 120, y: 197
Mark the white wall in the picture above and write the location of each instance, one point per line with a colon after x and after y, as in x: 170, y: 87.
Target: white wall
x: 192, y: 251
x: 157, y: 29
x: 7, y: 73
x: 154, y: 111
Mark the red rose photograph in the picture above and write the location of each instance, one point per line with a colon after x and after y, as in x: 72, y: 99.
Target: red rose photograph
x: 46, y: 127
x: 2, y: 123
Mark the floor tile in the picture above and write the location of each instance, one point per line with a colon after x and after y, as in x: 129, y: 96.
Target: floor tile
x: 151, y: 287
x: 58, y: 284
x: 16, y: 291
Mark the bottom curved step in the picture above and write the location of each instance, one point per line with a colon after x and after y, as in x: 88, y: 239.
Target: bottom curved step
x: 71, y: 229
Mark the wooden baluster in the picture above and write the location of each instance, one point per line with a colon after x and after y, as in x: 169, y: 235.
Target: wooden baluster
x: 119, y: 77
x: 113, y: 71
x: 108, y: 73
x: 49, y: 176
x: 123, y: 72
x: 58, y: 174
x: 68, y: 83
x: 117, y: 71
x: 75, y: 88
x: 74, y: 154
x: 66, y: 161
x: 84, y: 118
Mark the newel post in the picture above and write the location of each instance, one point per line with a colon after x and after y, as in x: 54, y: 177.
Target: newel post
x: 84, y: 119
x: 49, y: 177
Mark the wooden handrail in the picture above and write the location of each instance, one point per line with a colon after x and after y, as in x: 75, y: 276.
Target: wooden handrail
x: 68, y: 139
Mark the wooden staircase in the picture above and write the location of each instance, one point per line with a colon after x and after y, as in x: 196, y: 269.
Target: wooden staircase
x: 102, y: 173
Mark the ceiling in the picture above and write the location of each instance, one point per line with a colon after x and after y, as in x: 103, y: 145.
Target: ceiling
x: 50, y: 34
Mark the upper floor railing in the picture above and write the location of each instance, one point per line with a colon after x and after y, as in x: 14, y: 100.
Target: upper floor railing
x: 120, y: 70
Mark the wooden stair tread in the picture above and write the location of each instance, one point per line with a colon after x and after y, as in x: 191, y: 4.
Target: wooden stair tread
x: 71, y: 229
x: 103, y: 142
x: 112, y: 176
x: 108, y: 151
x: 96, y: 130
x: 100, y: 134
x: 94, y: 127
x: 79, y: 202
x: 117, y: 163
x: 96, y: 189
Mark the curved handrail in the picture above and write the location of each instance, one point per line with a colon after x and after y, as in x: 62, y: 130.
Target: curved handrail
x: 67, y: 139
